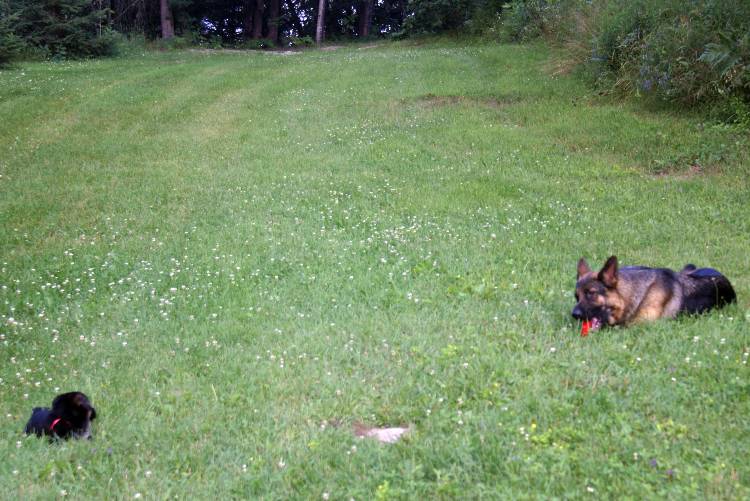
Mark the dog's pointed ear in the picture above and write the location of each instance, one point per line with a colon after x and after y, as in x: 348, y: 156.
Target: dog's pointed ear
x: 583, y: 268
x: 608, y: 274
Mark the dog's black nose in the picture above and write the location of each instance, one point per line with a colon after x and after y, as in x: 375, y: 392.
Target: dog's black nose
x: 577, y: 313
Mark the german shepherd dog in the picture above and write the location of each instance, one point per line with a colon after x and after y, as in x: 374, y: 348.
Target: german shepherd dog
x: 70, y: 416
x: 631, y: 294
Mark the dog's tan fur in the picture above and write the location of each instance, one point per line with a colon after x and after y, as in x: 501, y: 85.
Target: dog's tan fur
x: 634, y: 294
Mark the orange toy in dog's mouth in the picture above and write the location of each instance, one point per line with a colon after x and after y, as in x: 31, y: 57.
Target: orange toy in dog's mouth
x: 590, y: 325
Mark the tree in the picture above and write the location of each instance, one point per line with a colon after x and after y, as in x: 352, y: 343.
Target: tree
x: 258, y: 19
x: 321, y: 22
x: 247, y: 19
x: 167, y: 23
x: 273, y: 20
x: 365, y: 18
x: 129, y: 16
x: 63, y: 28
x: 10, y: 44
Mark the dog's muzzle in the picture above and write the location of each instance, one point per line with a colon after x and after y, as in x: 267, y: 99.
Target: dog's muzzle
x: 578, y: 313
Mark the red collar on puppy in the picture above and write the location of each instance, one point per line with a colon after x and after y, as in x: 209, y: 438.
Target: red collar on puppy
x: 52, y: 427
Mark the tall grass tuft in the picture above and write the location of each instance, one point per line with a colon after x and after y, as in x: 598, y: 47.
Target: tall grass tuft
x: 690, y: 53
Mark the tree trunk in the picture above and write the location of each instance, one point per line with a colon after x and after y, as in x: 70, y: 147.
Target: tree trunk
x: 258, y: 20
x: 321, y: 21
x: 273, y: 21
x: 167, y: 25
x: 247, y: 19
x: 365, y: 18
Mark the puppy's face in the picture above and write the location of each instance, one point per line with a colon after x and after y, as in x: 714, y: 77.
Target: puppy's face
x: 75, y: 408
x: 594, y: 294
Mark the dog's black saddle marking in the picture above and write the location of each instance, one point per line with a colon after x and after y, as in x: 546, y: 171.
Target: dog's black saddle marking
x: 705, y: 273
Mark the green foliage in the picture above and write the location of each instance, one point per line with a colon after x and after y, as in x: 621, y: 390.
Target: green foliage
x: 64, y: 28
x: 730, y: 111
x: 437, y: 16
x: 10, y: 44
x: 680, y: 51
x: 258, y: 44
x: 382, y: 492
x: 729, y: 58
x: 188, y: 40
x: 688, y: 52
x: 305, y: 41
x: 525, y: 20
x: 129, y: 45
x: 521, y: 20
x: 434, y: 16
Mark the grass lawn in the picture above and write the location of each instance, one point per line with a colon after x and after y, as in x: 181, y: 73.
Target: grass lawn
x: 239, y: 255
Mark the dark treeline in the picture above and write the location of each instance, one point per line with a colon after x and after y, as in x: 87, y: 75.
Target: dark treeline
x: 235, y: 21
x: 688, y: 52
x: 84, y: 28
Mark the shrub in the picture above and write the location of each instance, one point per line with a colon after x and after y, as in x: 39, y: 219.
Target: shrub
x: 732, y: 110
x: 730, y: 60
x: 128, y: 45
x: 432, y: 16
x: 305, y: 41
x: 523, y: 20
x: 689, y: 52
x: 183, y: 42
x: 257, y: 44
x: 526, y: 20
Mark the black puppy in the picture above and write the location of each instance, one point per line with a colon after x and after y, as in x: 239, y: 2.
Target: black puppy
x: 70, y: 416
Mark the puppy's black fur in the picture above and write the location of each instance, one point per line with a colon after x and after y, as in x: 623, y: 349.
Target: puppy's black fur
x: 70, y: 416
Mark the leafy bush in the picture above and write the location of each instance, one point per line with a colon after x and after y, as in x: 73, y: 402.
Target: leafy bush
x: 688, y: 52
x: 128, y: 45
x: 526, y: 20
x: 305, y: 41
x: 523, y: 20
x: 680, y: 51
x: 432, y: 16
x: 257, y: 44
x: 184, y: 42
x: 730, y: 59
x: 734, y: 111
x: 477, y: 17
